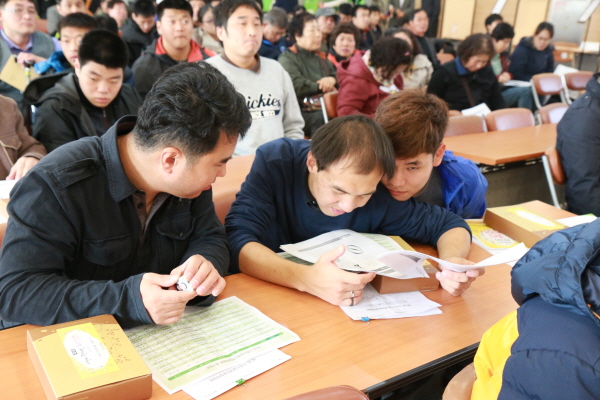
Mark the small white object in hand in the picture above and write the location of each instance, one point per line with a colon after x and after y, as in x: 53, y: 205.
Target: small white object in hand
x: 183, y: 285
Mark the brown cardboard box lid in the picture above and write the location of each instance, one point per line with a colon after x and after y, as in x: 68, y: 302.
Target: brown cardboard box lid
x: 80, y: 355
x: 530, y: 220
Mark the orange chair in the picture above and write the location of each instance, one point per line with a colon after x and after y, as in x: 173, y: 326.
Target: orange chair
x: 575, y: 81
x: 341, y: 392
x: 329, y: 105
x: 552, y: 113
x: 509, y: 118
x: 546, y: 85
x: 225, y: 188
x: 564, y: 52
x: 554, y: 172
x: 465, y: 124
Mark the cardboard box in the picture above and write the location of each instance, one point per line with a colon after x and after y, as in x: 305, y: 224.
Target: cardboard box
x: 521, y: 223
x: 88, y: 359
x: 385, y: 284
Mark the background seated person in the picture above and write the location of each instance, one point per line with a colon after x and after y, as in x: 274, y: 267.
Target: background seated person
x: 344, y: 39
x: 366, y: 79
x: 140, y: 30
x: 471, y: 68
x: 19, y: 39
x: 21, y: 151
x: 87, y: 102
x: 72, y: 29
x: 174, y: 45
x: 207, y: 34
x: 578, y: 143
x: 491, y: 22
x: 534, y: 54
x: 297, y: 190
x: 361, y: 20
x: 117, y: 10
x: 548, y: 348
x: 425, y: 171
x: 105, y: 224
x: 418, y: 74
x: 56, y: 13
x: 312, y: 74
x: 514, y: 96
x: 274, y: 27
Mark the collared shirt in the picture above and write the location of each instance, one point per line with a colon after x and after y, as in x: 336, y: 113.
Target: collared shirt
x: 74, y: 244
x: 15, y: 50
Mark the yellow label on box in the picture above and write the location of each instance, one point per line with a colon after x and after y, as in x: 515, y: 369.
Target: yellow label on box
x: 536, y: 219
x: 490, y: 237
x: 86, y: 350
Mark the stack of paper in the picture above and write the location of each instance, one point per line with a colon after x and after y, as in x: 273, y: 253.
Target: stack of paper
x: 5, y: 188
x: 212, y: 350
x: 489, y: 239
x: 394, y: 305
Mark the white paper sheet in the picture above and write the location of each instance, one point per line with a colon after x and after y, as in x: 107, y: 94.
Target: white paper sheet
x: 219, y: 383
x: 5, y: 188
x: 361, y: 254
x: 393, y: 305
x: 577, y: 220
x: 207, y: 341
x: 517, y: 83
x: 398, y: 259
x: 480, y: 109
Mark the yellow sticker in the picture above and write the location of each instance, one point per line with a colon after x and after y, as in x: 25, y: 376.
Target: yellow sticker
x: 536, y: 219
x: 490, y: 237
x: 86, y: 350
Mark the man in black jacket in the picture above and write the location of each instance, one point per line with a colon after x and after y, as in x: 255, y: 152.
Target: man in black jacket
x: 104, y: 224
x: 87, y: 102
x: 140, y: 30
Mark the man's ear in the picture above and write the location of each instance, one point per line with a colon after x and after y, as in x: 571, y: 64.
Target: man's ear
x: 221, y: 32
x: 159, y: 27
x: 77, y: 67
x: 311, y: 163
x: 171, y: 160
x: 439, y: 155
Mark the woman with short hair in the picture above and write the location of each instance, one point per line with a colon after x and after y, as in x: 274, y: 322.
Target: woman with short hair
x: 534, y: 54
x: 469, y: 79
x: 343, y: 41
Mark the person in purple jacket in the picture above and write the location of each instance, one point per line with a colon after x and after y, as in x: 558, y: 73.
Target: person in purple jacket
x: 297, y: 190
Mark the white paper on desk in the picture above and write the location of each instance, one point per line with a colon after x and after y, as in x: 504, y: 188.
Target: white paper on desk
x: 480, y: 110
x: 563, y: 69
x: 517, y: 83
x: 207, y: 341
x: 6, y: 187
x: 400, y: 258
x: 217, y: 384
x: 393, y: 305
x: 361, y: 253
x: 577, y: 220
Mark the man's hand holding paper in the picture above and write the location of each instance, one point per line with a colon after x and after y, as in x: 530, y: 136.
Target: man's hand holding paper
x: 456, y: 283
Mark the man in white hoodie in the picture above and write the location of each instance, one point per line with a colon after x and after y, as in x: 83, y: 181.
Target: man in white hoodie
x: 264, y: 83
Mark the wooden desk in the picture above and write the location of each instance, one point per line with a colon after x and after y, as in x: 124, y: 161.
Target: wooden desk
x: 500, y: 147
x: 378, y: 356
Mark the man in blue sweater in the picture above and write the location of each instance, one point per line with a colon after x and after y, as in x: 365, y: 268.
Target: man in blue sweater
x: 297, y: 190
x: 425, y: 171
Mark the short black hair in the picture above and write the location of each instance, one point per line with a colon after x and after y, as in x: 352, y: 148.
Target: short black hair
x: 112, y: 3
x: 188, y: 107
x: 493, y: 18
x: 346, y: 9
x: 416, y: 47
x: 479, y: 43
x: 414, y: 13
x: 503, y: 31
x: 227, y: 7
x: 174, y: 5
x: 107, y: 22
x: 203, y: 10
x: 297, y: 24
x: 277, y: 17
x: 348, y: 28
x: 374, y: 9
x: 358, y: 138
x: 388, y: 53
x: 103, y: 47
x: 358, y: 7
x: 77, y: 20
x: 545, y: 26
x: 144, y: 8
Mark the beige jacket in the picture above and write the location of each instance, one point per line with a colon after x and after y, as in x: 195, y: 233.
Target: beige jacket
x: 418, y: 75
x: 14, y: 138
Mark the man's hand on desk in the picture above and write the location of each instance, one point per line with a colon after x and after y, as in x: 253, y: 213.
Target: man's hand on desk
x: 332, y: 284
x: 456, y: 283
x: 202, y: 276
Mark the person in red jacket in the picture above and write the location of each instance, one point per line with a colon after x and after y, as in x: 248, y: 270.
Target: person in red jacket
x: 367, y: 78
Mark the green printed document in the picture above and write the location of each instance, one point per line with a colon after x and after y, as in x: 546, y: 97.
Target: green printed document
x: 207, y: 341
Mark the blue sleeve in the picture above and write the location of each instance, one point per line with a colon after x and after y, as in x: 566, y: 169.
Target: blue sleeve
x: 420, y: 222
x: 518, y: 65
x: 550, y: 62
x: 40, y: 242
x: 252, y: 211
x: 469, y: 201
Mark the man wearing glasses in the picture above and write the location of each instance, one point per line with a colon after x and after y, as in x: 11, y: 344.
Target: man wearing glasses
x: 20, y: 41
